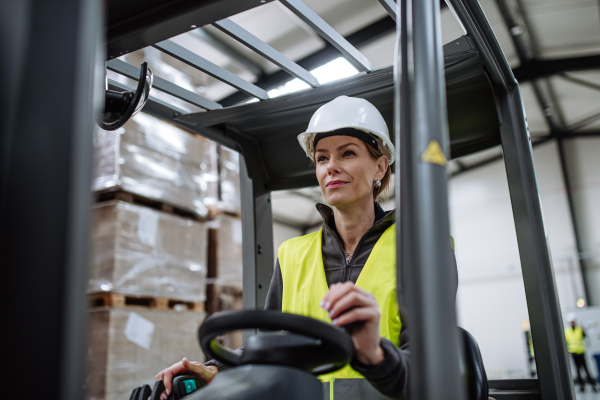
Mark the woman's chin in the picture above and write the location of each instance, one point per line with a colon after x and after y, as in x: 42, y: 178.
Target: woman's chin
x: 337, y: 200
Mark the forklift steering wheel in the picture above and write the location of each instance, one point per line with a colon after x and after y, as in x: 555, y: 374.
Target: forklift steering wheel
x: 307, y: 343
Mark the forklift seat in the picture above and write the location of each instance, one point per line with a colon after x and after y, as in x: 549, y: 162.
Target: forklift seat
x: 476, y: 383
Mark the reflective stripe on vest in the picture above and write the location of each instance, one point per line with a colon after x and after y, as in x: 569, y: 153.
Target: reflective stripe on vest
x: 305, y: 284
x: 575, y: 343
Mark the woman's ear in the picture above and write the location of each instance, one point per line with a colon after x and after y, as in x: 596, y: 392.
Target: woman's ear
x: 382, y: 166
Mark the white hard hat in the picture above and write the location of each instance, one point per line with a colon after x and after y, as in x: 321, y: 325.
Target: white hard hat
x: 571, y: 317
x: 348, y: 112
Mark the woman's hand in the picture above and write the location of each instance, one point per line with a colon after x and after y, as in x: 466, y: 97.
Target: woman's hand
x: 347, y: 304
x: 184, y: 367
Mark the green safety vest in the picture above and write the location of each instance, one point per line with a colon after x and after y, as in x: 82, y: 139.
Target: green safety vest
x: 305, y: 285
x: 575, y: 343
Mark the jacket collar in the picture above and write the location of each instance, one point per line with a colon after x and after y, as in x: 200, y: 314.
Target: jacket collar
x: 328, y: 218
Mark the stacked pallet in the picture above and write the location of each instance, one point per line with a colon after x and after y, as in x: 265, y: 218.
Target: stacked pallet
x: 156, y: 160
x: 225, y: 277
x: 147, y: 292
x: 129, y: 346
x: 156, y: 185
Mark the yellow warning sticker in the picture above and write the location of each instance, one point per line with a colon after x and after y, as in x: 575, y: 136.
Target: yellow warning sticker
x: 434, y: 154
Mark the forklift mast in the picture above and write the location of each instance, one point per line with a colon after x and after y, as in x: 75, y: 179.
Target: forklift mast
x: 461, y: 98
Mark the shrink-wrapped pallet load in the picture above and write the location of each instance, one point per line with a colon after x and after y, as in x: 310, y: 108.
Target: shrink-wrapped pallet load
x: 229, y: 180
x: 154, y: 159
x: 229, y: 259
x: 128, y: 347
x: 144, y: 252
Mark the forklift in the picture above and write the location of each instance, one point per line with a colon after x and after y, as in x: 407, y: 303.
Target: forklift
x: 462, y: 95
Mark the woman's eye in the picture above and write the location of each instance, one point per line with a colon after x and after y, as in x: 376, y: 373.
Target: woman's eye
x: 321, y: 159
x: 349, y: 153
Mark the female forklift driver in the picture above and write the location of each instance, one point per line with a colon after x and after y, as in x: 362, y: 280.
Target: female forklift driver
x: 346, y: 272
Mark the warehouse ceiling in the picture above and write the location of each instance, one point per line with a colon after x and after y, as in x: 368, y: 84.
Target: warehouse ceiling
x: 540, y: 38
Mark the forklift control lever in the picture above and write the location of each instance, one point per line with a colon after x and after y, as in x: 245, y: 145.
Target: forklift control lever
x: 183, y: 385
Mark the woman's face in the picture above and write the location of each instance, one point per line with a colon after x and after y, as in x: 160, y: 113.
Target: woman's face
x: 346, y: 170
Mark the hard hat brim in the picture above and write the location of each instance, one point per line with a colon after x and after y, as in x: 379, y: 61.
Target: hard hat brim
x: 306, y: 140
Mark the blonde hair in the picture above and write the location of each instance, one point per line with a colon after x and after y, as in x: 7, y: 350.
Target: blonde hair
x: 380, y: 193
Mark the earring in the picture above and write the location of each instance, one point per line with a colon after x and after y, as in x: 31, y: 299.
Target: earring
x: 377, y: 184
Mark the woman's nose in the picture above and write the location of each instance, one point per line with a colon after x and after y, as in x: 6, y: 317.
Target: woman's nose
x: 332, y: 166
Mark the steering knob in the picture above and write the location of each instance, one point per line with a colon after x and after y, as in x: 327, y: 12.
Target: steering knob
x: 293, y: 341
x: 120, y: 106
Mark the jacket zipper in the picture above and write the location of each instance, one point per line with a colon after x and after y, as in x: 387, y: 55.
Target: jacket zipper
x: 331, y: 391
x: 348, y: 261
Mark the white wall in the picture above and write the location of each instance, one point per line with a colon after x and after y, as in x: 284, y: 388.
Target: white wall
x: 491, y: 297
x: 583, y: 161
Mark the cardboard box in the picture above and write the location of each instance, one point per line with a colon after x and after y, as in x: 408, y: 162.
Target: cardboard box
x: 152, y: 158
x: 229, y: 258
x: 128, y: 347
x: 141, y: 251
x: 229, y: 181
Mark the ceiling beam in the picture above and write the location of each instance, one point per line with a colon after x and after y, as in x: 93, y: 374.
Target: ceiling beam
x: 582, y: 82
x: 585, y: 121
x: 580, y: 134
x: 492, y: 159
x: 229, y: 51
x: 313, y: 19
x: 200, y: 63
x: 232, y: 29
x: 543, y: 68
x: 526, y: 48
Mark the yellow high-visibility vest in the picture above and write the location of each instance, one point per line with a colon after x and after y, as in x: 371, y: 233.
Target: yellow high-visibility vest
x: 575, y: 343
x: 305, y: 285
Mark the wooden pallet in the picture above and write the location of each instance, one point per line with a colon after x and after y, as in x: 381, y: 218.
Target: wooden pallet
x: 137, y: 199
x: 214, y: 212
x: 117, y: 300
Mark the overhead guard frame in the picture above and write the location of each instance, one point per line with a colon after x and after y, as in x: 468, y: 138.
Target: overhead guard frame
x: 165, y: 19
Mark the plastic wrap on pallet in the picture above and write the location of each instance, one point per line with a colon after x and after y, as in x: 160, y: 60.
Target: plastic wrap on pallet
x: 229, y: 181
x: 229, y: 300
x: 144, y: 252
x: 229, y: 271
x: 127, y: 348
x: 157, y: 160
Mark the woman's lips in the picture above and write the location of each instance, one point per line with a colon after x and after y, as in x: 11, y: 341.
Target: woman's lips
x: 335, y: 184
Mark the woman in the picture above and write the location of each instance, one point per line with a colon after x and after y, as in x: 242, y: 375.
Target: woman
x: 350, y: 264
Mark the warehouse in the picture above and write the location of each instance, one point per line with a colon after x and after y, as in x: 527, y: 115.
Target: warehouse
x: 160, y: 170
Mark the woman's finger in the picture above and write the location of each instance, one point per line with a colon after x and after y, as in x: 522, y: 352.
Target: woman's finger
x: 336, y: 291
x: 175, y: 369
x: 168, y: 377
x: 351, y: 299
x: 198, y: 369
x: 361, y: 314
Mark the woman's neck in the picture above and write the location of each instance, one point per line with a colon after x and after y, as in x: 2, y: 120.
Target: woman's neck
x: 352, y: 221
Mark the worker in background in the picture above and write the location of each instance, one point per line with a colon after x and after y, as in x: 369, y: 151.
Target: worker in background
x: 575, y: 336
x: 345, y: 273
x: 530, y: 352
